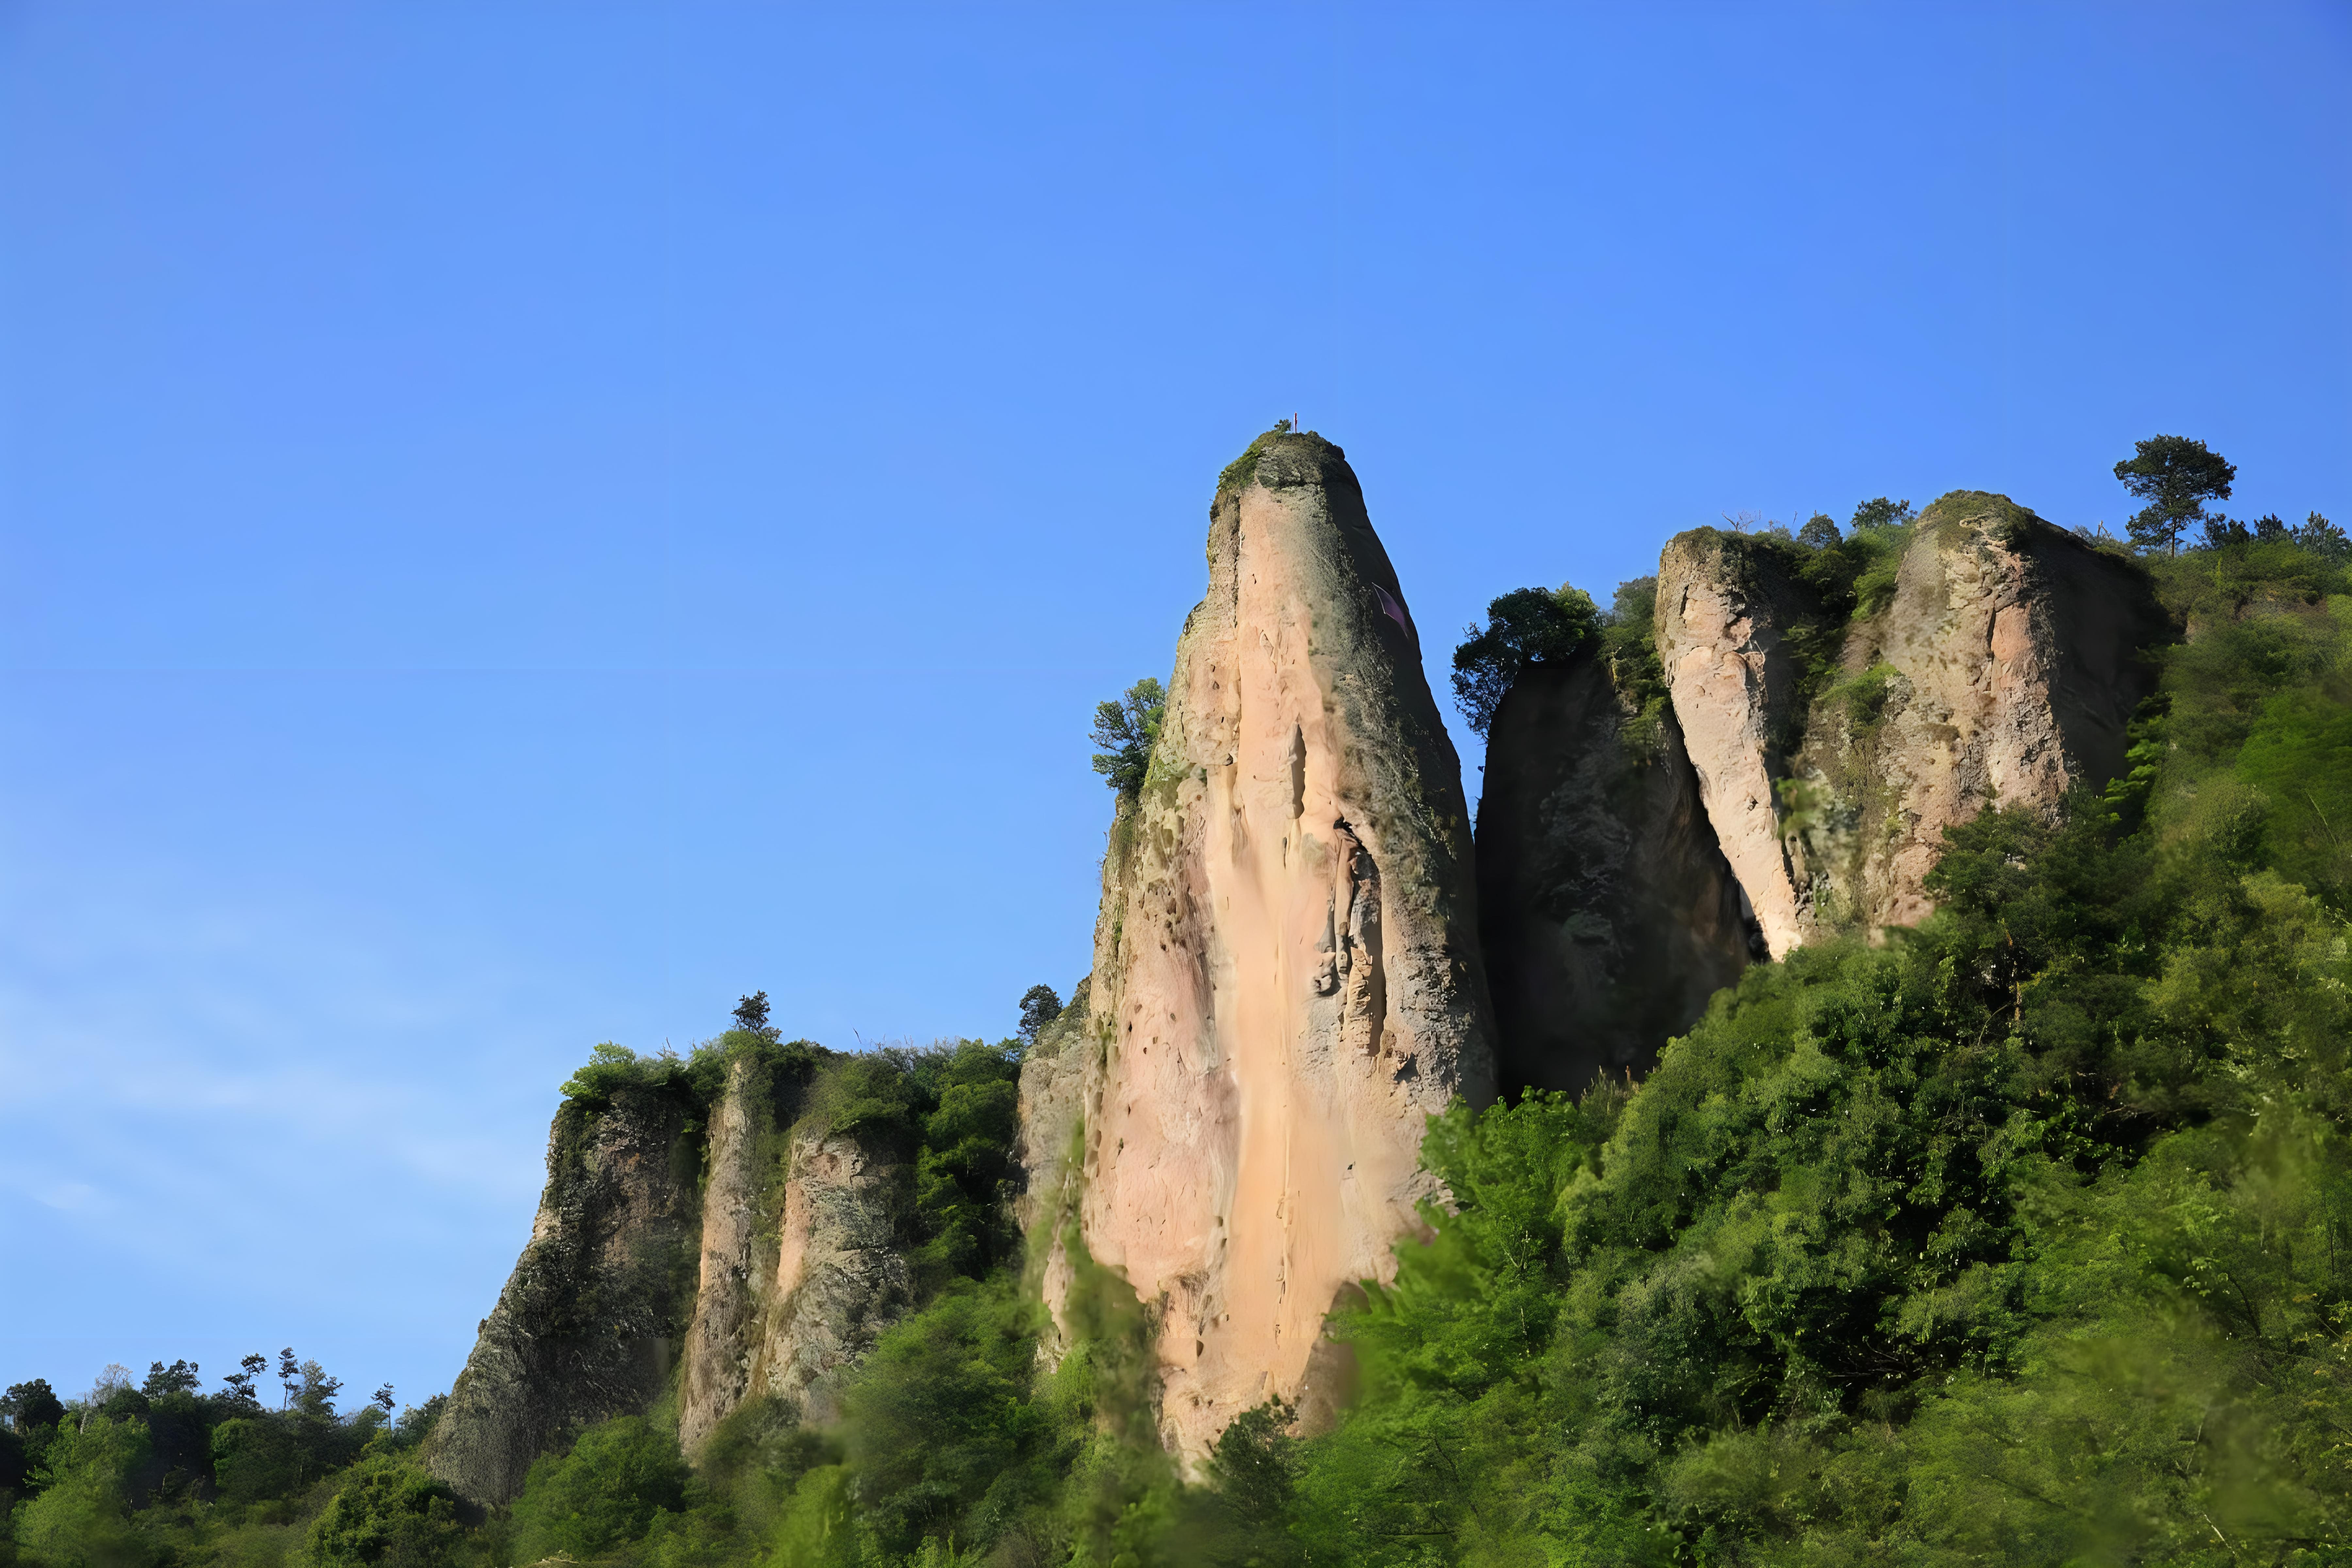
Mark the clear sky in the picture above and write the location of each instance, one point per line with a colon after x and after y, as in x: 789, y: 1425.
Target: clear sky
x: 520, y: 523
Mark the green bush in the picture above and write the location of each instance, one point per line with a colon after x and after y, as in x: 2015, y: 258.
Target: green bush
x: 605, y: 1492
x: 80, y: 1518
x: 389, y: 1512
x: 259, y: 1456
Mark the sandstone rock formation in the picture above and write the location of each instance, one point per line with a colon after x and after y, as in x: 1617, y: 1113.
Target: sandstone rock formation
x: 589, y: 1324
x: 1726, y: 606
x: 1287, y: 978
x: 2005, y: 668
x: 800, y: 1264
x: 1831, y: 757
x: 1608, y: 913
x: 771, y: 1281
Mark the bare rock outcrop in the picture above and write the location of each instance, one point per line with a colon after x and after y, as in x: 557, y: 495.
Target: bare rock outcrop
x: 840, y: 1278
x: 1607, y: 912
x: 1287, y: 977
x: 737, y: 1240
x: 2005, y: 668
x: 1727, y: 604
x: 590, y: 1322
x: 1832, y: 753
x: 771, y: 1281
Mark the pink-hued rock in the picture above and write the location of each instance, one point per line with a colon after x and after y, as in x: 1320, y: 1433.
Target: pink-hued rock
x: 2004, y: 668
x: 1726, y: 605
x: 2009, y: 660
x: 1287, y: 977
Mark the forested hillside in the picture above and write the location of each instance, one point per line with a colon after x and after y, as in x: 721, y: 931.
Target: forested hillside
x: 2025, y: 1236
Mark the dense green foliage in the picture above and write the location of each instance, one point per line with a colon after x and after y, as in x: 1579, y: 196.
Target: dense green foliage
x: 2022, y: 1240
x: 1525, y: 626
x: 164, y: 1474
x: 1125, y: 730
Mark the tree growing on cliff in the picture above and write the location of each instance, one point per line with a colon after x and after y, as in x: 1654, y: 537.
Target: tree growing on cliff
x: 1127, y: 730
x: 1881, y: 512
x: 1525, y: 626
x: 1040, y: 1006
x: 2175, y: 477
x: 752, y: 1014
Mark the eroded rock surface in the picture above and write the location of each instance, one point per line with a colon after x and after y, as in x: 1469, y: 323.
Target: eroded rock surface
x: 2004, y: 666
x: 840, y: 1278
x: 1607, y: 912
x: 1726, y: 606
x: 1287, y: 978
x: 720, y: 1340
x: 589, y: 1323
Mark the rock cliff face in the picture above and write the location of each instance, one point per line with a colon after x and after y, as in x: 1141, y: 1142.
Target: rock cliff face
x: 590, y: 1323
x: 1608, y: 913
x: 755, y: 1258
x: 2004, y: 666
x: 1287, y: 977
x: 1726, y: 606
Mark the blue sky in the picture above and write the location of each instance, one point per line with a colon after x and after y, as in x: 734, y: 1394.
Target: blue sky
x: 519, y: 524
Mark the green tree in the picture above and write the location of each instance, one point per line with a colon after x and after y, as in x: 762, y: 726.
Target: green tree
x: 1040, y: 1006
x: 1127, y: 730
x: 2175, y: 477
x: 604, y: 1493
x: 31, y: 1405
x: 752, y: 1015
x: 80, y: 1519
x: 1881, y: 512
x: 390, y: 1513
x: 259, y: 1456
x: 1525, y: 626
x: 2325, y: 540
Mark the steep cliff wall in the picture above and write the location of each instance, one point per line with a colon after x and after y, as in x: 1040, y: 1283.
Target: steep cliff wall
x: 1287, y: 977
x: 1608, y: 913
x: 2005, y: 668
x: 1832, y: 753
x: 1727, y: 607
x: 755, y: 1256
x: 590, y: 1322
x: 840, y: 1277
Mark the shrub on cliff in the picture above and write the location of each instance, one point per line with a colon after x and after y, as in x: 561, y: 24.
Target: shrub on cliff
x: 1525, y: 626
x: 1126, y: 730
x: 386, y: 1513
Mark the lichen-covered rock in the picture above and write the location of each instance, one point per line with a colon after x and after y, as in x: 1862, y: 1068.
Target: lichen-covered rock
x: 2005, y: 668
x: 1608, y: 913
x: 840, y: 1278
x: 721, y: 1339
x: 1287, y: 978
x: 589, y: 1324
x: 1831, y: 754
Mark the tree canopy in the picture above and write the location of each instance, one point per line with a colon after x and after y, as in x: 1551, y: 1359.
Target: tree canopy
x: 1525, y: 626
x: 2176, y: 475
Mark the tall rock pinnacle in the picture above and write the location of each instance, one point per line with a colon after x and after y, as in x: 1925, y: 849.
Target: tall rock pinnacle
x: 1287, y: 979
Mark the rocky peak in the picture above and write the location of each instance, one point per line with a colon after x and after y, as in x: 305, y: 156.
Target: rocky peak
x: 1835, y: 740
x: 1287, y: 978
